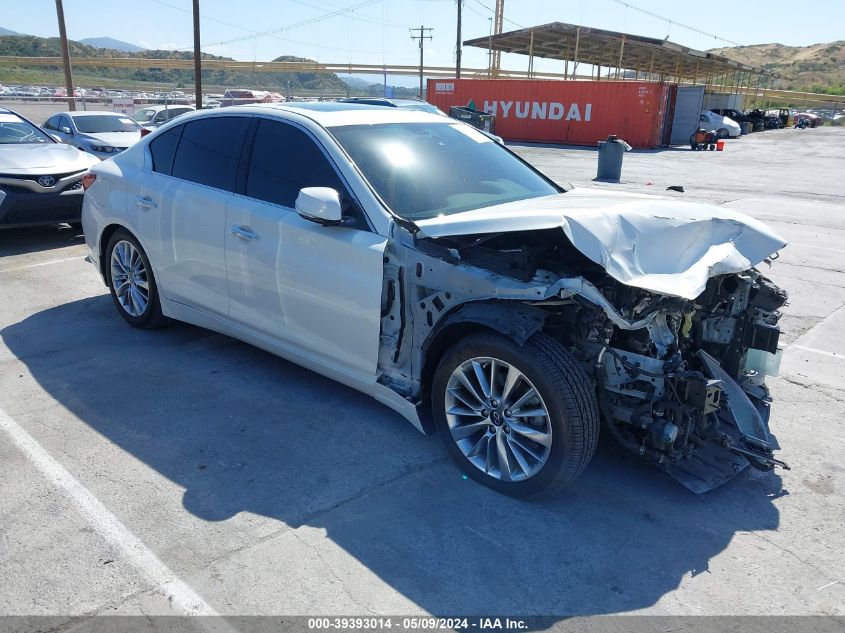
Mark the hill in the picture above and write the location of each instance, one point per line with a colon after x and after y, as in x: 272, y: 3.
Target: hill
x: 816, y: 68
x: 31, y: 46
x: 363, y: 88
x: 7, y: 32
x: 111, y: 43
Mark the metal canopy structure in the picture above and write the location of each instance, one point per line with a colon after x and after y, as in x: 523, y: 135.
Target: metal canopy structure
x: 618, y: 52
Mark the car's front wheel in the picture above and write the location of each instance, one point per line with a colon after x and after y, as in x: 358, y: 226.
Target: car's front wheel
x: 131, y: 281
x: 722, y: 132
x: 522, y: 420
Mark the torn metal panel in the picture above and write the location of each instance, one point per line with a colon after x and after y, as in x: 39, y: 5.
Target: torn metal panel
x: 659, y: 244
x: 677, y: 379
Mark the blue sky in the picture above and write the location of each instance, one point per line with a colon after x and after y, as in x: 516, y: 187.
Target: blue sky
x: 376, y: 31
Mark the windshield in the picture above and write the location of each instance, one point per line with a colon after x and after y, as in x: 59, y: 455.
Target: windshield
x: 422, y: 170
x: 423, y: 107
x: 104, y: 123
x: 143, y: 116
x: 14, y: 130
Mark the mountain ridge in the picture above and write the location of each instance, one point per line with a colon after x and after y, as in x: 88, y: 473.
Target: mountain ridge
x: 111, y: 43
x: 815, y: 68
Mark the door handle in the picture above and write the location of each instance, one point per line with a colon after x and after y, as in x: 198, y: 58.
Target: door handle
x: 244, y: 234
x: 145, y: 203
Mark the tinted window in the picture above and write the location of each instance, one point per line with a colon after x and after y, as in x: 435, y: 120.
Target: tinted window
x: 65, y: 122
x: 172, y: 113
x: 145, y: 115
x: 284, y: 160
x: 422, y: 170
x: 163, y: 148
x: 208, y: 151
x: 52, y: 123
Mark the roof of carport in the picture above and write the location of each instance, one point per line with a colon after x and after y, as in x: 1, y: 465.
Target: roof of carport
x: 598, y: 47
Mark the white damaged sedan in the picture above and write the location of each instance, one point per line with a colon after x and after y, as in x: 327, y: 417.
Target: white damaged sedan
x: 412, y: 258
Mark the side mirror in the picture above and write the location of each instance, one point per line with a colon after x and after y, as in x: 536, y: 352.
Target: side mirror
x: 319, y: 204
x: 65, y: 130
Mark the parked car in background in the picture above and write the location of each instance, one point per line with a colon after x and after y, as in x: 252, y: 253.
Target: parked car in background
x: 405, y: 104
x: 724, y: 127
x: 813, y: 120
x: 773, y: 120
x: 243, y: 96
x: 734, y: 115
x: 152, y: 116
x: 758, y: 119
x: 101, y: 133
x: 407, y: 255
x: 40, y: 178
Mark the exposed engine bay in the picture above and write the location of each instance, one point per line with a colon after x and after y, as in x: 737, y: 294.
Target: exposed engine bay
x: 679, y: 381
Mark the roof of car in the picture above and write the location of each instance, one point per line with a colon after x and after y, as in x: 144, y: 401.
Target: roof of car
x: 84, y: 113
x: 335, y: 113
x: 169, y: 106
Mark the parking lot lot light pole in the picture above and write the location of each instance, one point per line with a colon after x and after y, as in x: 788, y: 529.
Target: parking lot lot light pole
x: 60, y: 14
x: 197, y: 58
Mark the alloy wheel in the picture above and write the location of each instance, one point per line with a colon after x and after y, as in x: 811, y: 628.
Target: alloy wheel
x: 129, y: 278
x: 498, y: 419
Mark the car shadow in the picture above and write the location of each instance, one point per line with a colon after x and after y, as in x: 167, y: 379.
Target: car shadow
x: 243, y: 431
x: 19, y: 241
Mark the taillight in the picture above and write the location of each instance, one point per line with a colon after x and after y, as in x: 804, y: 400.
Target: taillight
x: 144, y: 132
x: 87, y: 180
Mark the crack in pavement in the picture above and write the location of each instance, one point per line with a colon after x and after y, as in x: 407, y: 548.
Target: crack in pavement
x: 332, y: 571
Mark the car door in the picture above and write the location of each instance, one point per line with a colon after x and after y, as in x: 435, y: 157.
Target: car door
x: 180, y: 208
x: 313, y: 287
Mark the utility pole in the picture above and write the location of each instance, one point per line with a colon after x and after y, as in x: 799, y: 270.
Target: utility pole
x: 197, y: 58
x: 60, y: 14
x: 498, y: 27
x: 458, y: 42
x: 422, y: 36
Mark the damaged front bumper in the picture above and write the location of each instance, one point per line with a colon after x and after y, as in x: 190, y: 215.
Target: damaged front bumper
x: 679, y: 376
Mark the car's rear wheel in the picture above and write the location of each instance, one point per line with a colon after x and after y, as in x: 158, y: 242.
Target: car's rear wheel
x: 131, y: 281
x: 522, y: 420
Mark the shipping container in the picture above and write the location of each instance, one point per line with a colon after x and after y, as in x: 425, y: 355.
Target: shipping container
x: 572, y: 112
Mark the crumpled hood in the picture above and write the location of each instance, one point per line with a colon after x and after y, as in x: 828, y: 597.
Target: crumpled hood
x: 657, y: 243
x: 115, y: 139
x: 43, y: 158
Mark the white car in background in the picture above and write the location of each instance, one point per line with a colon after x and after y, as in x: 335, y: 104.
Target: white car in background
x: 152, y: 116
x: 411, y: 257
x: 101, y: 133
x: 40, y: 178
x: 725, y: 127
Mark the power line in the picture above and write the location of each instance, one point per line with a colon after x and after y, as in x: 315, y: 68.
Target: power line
x: 657, y: 16
x: 516, y: 24
x: 314, y: 20
x: 256, y: 33
x: 360, y: 18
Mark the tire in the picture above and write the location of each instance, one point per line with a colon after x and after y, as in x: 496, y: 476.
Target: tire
x: 131, y: 262
x: 568, y: 433
x: 722, y: 133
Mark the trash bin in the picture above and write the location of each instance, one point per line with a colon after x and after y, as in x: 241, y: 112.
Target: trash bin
x: 746, y: 127
x: 611, y: 152
x: 480, y: 120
